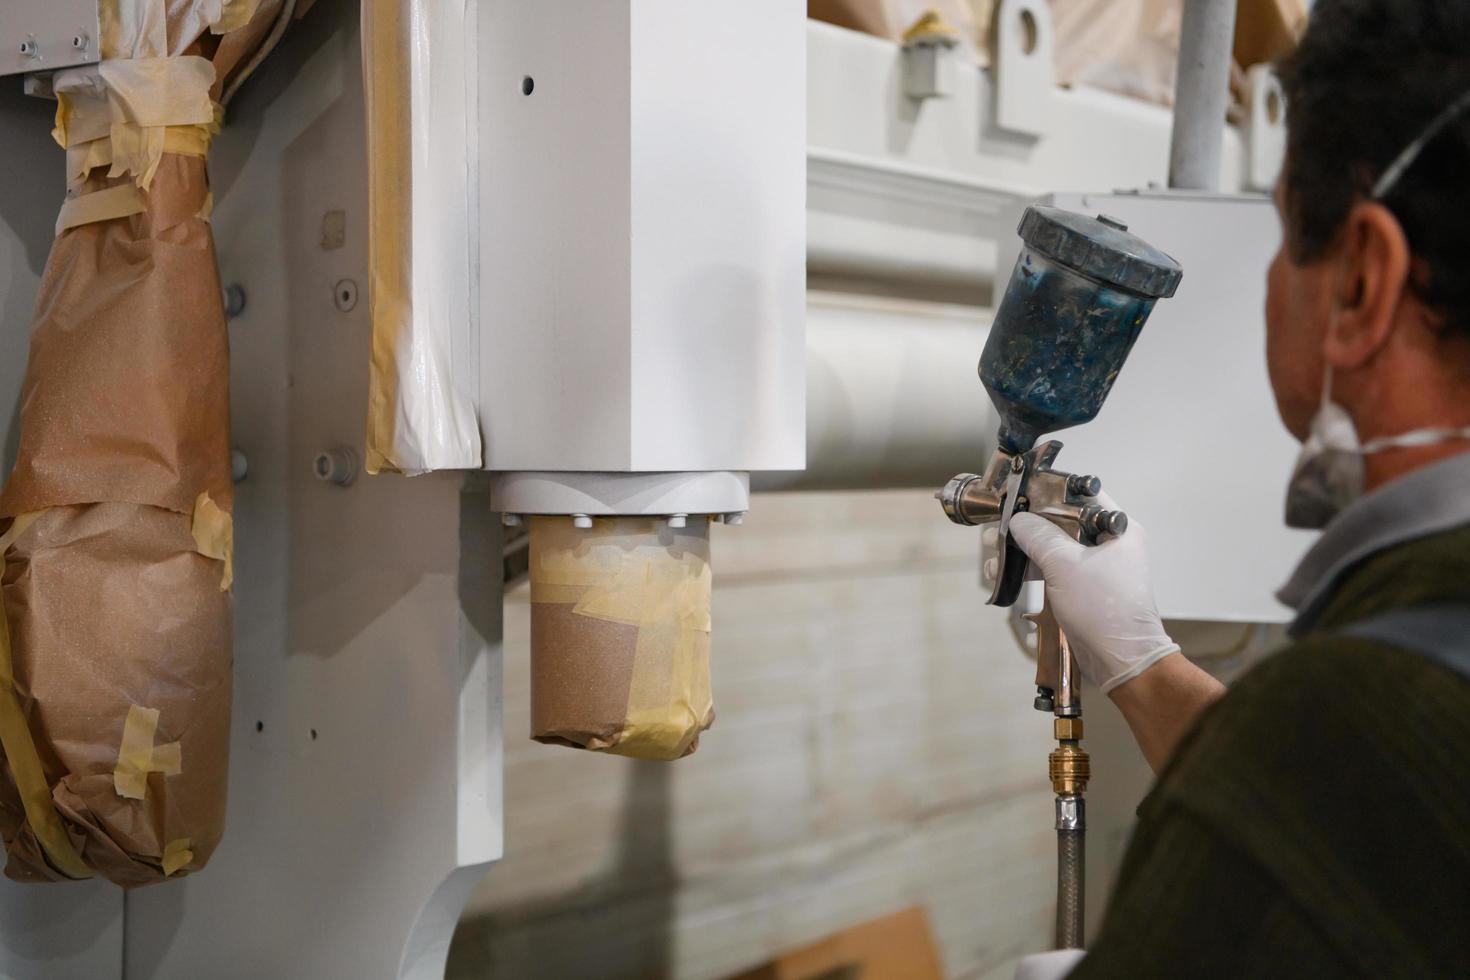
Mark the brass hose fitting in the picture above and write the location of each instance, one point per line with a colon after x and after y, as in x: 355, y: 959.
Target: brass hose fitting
x: 1070, y: 769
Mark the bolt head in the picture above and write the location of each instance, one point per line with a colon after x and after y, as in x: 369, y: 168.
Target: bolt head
x: 1084, y: 486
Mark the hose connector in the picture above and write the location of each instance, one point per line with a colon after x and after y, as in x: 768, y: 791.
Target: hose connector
x: 1070, y: 769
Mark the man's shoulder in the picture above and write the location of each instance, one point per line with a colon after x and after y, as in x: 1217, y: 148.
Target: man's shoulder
x: 1321, y: 706
x: 1334, y: 767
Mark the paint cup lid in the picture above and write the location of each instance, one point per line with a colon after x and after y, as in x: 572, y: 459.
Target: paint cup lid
x: 1100, y: 248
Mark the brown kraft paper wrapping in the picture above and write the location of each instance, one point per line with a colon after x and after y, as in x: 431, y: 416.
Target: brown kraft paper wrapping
x: 111, y: 599
x: 115, y: 531
x: 620, y: 632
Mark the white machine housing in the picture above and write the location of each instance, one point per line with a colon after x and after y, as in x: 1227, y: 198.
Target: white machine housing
x: 590, y: 247
x: 642, y: 246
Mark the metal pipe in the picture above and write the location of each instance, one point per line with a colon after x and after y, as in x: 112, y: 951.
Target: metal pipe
x: 1201, y: 93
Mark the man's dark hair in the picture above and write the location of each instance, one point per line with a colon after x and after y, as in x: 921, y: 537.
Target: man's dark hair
x: 1366, y: 79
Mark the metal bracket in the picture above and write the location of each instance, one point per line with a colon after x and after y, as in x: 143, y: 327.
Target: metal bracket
x: 43, y: 35
x: 1023, y: 66
x: 1265, y: 126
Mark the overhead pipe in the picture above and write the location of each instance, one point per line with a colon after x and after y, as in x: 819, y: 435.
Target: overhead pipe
x: 1201, y: 94
x: 891, y: 400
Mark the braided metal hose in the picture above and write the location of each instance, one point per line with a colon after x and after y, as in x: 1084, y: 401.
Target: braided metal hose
x: 1071, y: 880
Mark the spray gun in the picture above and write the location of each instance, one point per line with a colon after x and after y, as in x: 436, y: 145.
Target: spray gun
x: 1077, y: 300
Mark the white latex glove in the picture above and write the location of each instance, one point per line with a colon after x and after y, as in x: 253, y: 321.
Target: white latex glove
x: 1102, y: 596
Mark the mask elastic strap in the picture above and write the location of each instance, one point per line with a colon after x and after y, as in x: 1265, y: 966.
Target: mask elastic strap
x: 1410, y: 153
x: 1419, y: 437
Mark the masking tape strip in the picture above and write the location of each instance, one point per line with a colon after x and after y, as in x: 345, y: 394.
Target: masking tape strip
x: 234, y: 14
x: 83, y: 158
x: 130, y: 102
x: 176, y: 854
x: 214, y: 536
x: 104, y: 205
x: 667, y: 598
x: 20, y: 747
x: 669, y: 698
x: 137, y: 756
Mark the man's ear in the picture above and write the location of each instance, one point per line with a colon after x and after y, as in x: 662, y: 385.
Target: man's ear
x: 1375, y: 272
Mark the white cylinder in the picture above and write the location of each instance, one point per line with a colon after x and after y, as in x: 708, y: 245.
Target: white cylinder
x: 1201, y: 94
x: 893, y: 399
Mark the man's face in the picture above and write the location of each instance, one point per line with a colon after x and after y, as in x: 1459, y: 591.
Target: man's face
x: 1298, y: 307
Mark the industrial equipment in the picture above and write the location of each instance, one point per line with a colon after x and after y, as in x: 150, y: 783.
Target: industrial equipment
x: 366, y: 745
x: 1077, y: 300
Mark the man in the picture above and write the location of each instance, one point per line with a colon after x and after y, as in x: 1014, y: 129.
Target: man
x: 1315, y: 820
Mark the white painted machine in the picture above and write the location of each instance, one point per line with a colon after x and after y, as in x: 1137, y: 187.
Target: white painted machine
x: 555, y: 255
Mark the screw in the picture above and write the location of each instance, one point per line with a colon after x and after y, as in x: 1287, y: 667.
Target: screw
x: 1045, y: 699
x: 79, y: 41
x: 1084, y: 486
x: 336, y: 465
x: 239, y: 465
x: 1097, y: 522
x: 29, y: 48
x: 1016, y: 464
x: 234, y: 300
x: 344, y: 295
x: 582, y: 522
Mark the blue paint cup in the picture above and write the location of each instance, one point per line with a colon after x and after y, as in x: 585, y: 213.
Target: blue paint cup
x: 1078, y: 297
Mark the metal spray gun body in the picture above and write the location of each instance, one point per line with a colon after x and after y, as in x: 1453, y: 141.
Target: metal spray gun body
x: 1077, y: 300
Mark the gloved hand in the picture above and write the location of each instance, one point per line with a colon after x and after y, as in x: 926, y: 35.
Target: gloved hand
x: 1102, y: 596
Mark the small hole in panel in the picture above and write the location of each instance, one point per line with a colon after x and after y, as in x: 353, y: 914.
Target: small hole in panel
x: 260, y: 726
x: 1028, y: 32
x: 528, y: 85
x: 313, y: 734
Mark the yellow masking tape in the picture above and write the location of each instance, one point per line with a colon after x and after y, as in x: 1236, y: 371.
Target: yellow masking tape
x: 83, y: 158
x: 138, y: 756
x: 131, y: 103
x: 214, y: 536
x: 176, y: 854
x: 669, y: 699
x: 20, y: 747
x: 666, y: 596
x: 104, y: 205
x: 234, y: 14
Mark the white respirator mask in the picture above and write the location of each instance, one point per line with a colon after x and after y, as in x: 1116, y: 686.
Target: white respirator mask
x: 1329, y: 470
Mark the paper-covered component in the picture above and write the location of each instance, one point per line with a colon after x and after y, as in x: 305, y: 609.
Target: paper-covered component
x: 115, y: 525
x: 420, y: 281
x: 620, y: 633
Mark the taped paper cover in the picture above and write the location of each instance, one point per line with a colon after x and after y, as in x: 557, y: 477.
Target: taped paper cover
x: 422, y: 237
x: 115, y: 649
x: 620, y: 631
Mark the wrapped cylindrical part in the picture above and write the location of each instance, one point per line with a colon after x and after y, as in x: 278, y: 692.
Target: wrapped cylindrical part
x: 115, y: 526
x: 620, y: 635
